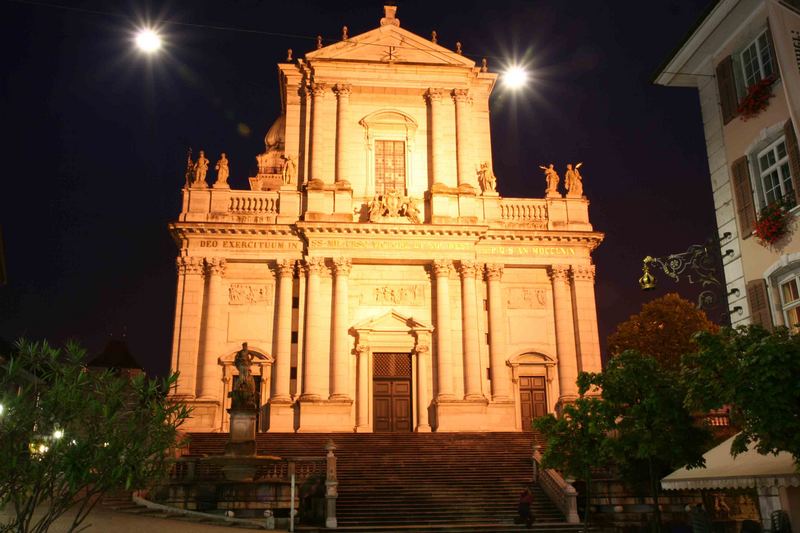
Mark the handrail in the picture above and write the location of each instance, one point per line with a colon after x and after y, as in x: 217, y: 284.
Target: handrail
x: 561, y: 493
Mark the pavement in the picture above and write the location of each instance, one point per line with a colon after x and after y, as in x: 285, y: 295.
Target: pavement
x: 102, y: 520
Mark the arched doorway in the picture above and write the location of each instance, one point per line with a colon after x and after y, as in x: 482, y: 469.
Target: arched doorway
x: 532, y: 374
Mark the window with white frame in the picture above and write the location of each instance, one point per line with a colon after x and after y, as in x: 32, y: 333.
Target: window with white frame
x: 756, y: 60
x: 790, y: 300
x: 774, y: 174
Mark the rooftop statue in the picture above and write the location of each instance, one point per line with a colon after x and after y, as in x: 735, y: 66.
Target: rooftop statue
x: 486, y: 178
x: 200, y: 170
x: 289, y: 171
x: 573, y: 181
x: 222, y: 172
x: 551, y: 176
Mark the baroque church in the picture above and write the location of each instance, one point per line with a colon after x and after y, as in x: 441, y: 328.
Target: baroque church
x: 380, y: 281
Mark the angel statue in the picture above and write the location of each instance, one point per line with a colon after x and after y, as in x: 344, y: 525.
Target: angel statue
x: 551, y: 176
x: 573, y: 181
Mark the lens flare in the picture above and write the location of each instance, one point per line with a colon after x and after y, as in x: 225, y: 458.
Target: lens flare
x: 515, y: 77
x: 148, y: 41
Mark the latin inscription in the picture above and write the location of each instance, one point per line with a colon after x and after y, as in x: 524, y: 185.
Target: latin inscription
x: 380, y: 244
x: 251, y: 245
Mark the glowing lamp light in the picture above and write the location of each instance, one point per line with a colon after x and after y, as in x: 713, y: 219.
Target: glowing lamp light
x: 515, y: 77
x: 148, y: 41
x: 2, y: 408
x: 58, y: 434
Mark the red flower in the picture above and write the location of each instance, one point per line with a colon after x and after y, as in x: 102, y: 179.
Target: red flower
x: 757, y: 98
x: 772, y: 223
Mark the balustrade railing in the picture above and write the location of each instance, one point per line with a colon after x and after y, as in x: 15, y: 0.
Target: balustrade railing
x: 254, y: 203
x: 524, y: 211
x: 561, y: 493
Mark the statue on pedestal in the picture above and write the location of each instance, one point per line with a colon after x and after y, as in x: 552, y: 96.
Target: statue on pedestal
x: 243, y: 395
x: 222, y: 171
x: 573, y: 181
x: 289, y: 171
x: 200, y: 170
x: 486, y: 178
x: 551, y: 176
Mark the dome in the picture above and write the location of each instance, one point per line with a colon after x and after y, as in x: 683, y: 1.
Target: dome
x: 276, y: 136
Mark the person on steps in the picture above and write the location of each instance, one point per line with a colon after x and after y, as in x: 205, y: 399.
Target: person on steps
x: 524, y: 507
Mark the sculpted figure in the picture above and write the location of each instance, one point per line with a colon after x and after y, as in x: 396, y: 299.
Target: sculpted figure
x: 244, y: 394
x: 551, y: 176
x: 375, y: 209
x: 222, y: 171
x: 189, y: 173
x: 289, y: 169
x: 392, y: 203
x: 200, y: 169
x: 573, y: 181
x: 486, y: 178
x: 412, y: 211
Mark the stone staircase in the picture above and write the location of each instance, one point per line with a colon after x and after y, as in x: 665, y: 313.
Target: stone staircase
x: 419, y: 482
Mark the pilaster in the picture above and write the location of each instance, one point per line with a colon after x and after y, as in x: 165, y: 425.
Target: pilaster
x: 467, y: 178
x: 583, y: 297
x: 565, y: 334
x: 441, y: 270
x: 497, y: 336
x: 315, y: 360
x: 188, y: 314
x: 364, y: 354
x: 319, y: 167
x: 341, y: 346
x: 422, y: 351
x: 343, y: 165
x: 469, y: 317
x: 283, y: 332
x: 209, y: 382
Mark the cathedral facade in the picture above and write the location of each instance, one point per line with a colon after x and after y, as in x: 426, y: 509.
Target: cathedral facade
x: 380, y: 281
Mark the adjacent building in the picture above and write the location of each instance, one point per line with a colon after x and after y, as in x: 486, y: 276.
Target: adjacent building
x: 744, y: 59
x: 374, y: 271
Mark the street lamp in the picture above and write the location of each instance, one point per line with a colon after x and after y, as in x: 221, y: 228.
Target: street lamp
x: 148, y: 41
x: 515, y: 77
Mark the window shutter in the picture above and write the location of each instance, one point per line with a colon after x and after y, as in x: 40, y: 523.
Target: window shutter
x: 776, y: 69
x: 726, y: 83
x: 758, y: 301
x: 743, y: 193
x: 793, y: 151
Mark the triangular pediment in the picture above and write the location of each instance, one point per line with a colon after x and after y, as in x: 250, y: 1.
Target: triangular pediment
x: 390, y: 44
x: 392, y: 321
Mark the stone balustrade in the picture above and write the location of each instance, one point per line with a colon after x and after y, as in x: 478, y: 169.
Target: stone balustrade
x: 254, y: 202
x: 524, y: 211
x: 561, y: 493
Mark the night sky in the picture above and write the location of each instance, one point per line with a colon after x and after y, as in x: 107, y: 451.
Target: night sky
x: 96, y: 137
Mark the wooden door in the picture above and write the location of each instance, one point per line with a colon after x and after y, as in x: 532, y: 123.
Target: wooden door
x: 392, y: 392
x: 532, y: 400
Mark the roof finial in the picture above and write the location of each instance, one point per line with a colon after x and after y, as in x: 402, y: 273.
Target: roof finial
x: 289, y: 55
x: 319, y: 42
x: 433, y: 36
x: 388, y: 16
x: 458, y: 47
x: 484, y: 65
x: 344, y: 33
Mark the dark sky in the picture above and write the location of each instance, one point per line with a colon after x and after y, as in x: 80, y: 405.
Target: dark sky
x: 96, y: 135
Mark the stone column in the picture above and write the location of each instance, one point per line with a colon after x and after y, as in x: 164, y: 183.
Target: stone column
x: 436, y: 133
x: 423, y: 350
x: 318, y: 167
x: 314, y: 386
x: 188, y: 314
x: 565, y: 334
x: 340, y: 322
x: 209, y: 381
x: 467, y: 178
x: 362, y: 399
x: 497, y: 333
x: 283, y: 332
x: 469, y: 328
x: 444, y: 356
x: 343, y: 166
x: 586, y: 319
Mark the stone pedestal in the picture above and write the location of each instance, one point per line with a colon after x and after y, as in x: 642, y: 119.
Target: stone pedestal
x: 325, y: 416
x: 281, y: 417
x: 461, y: 415
x: 243, y: 432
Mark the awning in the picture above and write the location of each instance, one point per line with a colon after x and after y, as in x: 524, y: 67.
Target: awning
x: 748, y: 469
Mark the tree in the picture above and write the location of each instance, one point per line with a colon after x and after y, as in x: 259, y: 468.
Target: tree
x: 577, y: 442
x: 654, y: 431
x: 757, y: 374
x: 69, y: 435
x: 664, y: 329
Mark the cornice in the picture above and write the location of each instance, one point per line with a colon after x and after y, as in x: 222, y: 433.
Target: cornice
x: 360, y: 229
